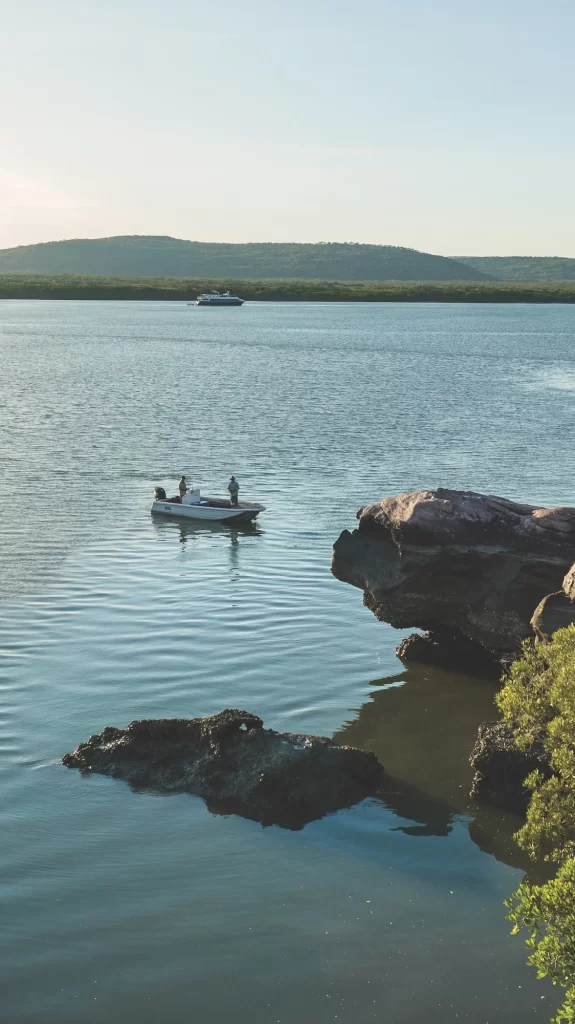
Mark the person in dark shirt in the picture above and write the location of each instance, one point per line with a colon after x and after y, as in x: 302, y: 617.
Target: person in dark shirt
x: 233, y: 488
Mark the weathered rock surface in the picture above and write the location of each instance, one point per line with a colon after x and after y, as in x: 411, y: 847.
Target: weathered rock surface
x: 236, y: 765
x: 556, y: 610
x: 467, y: 568
x: 501, y: 769
x: 444, y: 649
x: 552, y: 613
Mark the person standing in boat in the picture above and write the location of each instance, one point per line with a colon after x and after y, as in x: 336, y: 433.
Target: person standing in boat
x: 182, y: 486
x: 233, y: 488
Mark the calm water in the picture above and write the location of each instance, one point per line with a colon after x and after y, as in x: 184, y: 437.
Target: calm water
x: 121, y: 907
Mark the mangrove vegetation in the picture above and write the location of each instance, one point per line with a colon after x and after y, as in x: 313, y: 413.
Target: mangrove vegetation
x: 538, y: 702
x: 69, y: 286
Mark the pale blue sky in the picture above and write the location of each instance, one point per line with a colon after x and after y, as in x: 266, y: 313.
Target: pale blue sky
x: 446, y: 126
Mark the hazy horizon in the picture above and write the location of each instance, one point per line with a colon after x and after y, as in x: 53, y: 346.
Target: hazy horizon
x: 444, y: 128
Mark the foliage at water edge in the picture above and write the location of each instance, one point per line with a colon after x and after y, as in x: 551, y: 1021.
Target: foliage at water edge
x: 68, y: 286
x: 538, y: 702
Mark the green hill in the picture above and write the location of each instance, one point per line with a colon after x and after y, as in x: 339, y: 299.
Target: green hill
x: 159, y: 256
x: 523, y: 268
x: 162, y: 256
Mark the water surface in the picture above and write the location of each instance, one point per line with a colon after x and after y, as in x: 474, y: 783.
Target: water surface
x: 122, y: 906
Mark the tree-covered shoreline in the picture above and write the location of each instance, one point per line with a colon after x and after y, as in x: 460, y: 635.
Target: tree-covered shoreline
x: 538, y: 703
x: 67, y: 286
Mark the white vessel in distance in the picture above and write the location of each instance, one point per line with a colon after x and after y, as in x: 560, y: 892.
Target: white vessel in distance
x: 218, y: 299
x: 193, y: 506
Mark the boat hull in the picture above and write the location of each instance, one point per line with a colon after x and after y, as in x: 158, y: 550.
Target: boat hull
x: 207, y: 513
x: 220, y: 302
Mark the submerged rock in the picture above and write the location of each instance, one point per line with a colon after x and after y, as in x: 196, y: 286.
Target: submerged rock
x: 236, y: 765
x: 450, y: 651
x: 466, y: 568
x: 501, y: 769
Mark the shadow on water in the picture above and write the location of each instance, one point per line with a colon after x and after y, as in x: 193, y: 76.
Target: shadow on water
x: 422, y: 724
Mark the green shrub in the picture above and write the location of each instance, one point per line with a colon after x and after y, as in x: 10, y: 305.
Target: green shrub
x: 538, y: 702
x: 548, y: 913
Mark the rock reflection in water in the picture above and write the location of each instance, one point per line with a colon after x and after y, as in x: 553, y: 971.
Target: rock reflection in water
x: 421, y: 724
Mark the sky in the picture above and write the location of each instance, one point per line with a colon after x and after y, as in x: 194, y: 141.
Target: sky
x: 442, y: 125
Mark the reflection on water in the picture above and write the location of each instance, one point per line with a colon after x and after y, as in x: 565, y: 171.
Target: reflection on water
x: 422, y: 723
x: 191, y: 531
x: 423, y: 730
x: 554, y: 380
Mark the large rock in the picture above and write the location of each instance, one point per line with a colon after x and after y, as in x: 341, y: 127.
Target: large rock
x: 501, y: 769
x: 467, y: 568
x: 556, y: 611
x: 236, y: 765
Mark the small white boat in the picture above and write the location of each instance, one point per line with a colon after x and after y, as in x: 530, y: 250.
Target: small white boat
x: 192, y: 506
x: 218, y: 299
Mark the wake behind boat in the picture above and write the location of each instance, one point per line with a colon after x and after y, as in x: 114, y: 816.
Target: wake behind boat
x: 192, y: 506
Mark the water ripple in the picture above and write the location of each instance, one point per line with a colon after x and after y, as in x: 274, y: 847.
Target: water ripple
x: 126, y: 906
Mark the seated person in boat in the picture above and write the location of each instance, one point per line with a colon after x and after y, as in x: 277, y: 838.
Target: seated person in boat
x: 233, y: 488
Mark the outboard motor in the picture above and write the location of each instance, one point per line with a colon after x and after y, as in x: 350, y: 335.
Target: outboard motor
x: 159, y: 494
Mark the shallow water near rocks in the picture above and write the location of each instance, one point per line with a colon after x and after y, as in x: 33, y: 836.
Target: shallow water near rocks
x: 134, y: 906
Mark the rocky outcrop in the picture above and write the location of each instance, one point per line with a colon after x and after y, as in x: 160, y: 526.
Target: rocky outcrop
x: 447, y: 649
x: 556, y: 611
x: 467, y: 568
x: 552, y: 613
x: 236, y: 765
x: 501, y: 769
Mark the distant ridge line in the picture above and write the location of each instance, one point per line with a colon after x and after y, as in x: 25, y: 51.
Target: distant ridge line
x: 523, y: 268
x: 164, y: 256
x: 139, y: 256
